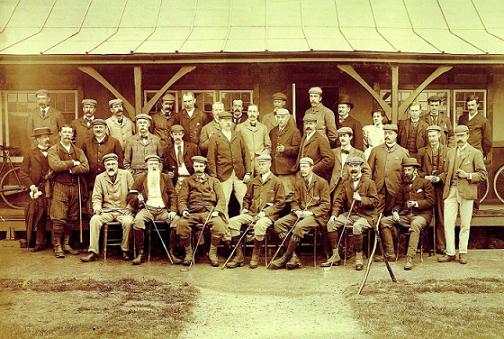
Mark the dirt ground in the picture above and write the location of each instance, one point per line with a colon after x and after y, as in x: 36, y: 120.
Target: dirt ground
x: 306, y: 303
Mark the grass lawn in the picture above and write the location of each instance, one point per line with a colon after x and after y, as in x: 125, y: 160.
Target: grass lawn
x: 469, y: 308
x: 83, y: 308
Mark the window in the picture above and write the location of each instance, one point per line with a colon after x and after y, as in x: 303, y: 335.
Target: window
x: 227, y: 97
x: 459, y: 104
x: 148, y: 94
x: 204, y: 99
x: 444, y: 94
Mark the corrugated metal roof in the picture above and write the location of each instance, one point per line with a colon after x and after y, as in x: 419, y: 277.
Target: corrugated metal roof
x: 52, y: 27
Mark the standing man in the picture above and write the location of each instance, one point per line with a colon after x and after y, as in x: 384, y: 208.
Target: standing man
x: 199, y: 195
x: 229, y: 160
x: 140, y: 145
x: 264, y: 201
x: 238, y: 115
x: 345, y: 105
x: 325, y: 123
x: 309, y: 209
x: 285, y: 141
x: 433, y: 159
x: 68, y: 163
x: 360, y: 191
x: 211, y: 128
x: 411, y: 134
x: 82, y: 126
x: 35, y: 174
x: 435, y: 117
x: 465, y: 168
x: 119, y: 125
x: 44, y: 116
x: 412, y: 209
x: 269, y: 119
x: 385, y: 163
x: 178, y: 156
x: 255, y: 134
x: 156, y: 201
x: 192, y: 119
x: 163, y: 120
x: 109, y: 204
x: 316, y: 147
x: 479, y: 126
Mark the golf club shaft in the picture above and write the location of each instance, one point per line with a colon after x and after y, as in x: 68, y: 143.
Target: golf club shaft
x: 370, y: 260
x: 162, y: 242
x: 343, y: 232
x: 199, y: 238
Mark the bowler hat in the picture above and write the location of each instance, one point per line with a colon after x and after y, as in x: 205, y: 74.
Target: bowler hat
x: 410, y: 162
x: 345, y: 99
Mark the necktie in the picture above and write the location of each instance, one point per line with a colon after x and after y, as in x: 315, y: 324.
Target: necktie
x: 144, y: 137
x: 44, y: 112
x: 344, y: 151
x: 180, y: 160
x: 119, y: 121
x: 253, y: 124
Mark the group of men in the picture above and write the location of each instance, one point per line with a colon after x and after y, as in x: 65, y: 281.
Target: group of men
x: 182, y: 167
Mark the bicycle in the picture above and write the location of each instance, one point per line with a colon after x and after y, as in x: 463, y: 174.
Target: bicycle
x: 12, y: 191
x: 498, y: 184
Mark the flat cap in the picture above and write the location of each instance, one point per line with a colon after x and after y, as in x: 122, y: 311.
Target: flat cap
x: 390, y: 127
x: 263, y: 157
x: 168, y: 97
x: 98, y: 122
x: 199, y: 158
x: 306, y: 160
x: 152, y: 157
x: 461, y: 129
x: 282, y: 111
x: 225, y: 115
x: 345, y: 130
x: 355, y: 160
x: 41, y: 92
x: 279, y: 96
x: 177, y: 128
x: 37, y: 132
x: 410, y: 162
x: 472, y: 97
x: 115, y: 101
x: 110, y: 156
x: 310, y: 117
x: 89, y: 102
x: 143, y: 116
x: 433, y: 128
x: 315, y: 90
x: 434, y: 98
x: 345, y: 99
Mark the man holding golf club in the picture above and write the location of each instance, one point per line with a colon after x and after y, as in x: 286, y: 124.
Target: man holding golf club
x: 309, y: 209
x: 355, y: 206
x: 109, y: 204
x: 264, y: 201
x: 201, y: 201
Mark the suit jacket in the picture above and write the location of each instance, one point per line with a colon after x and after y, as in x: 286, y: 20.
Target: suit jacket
x: 81, y: 131
x: 338, y: 175
x: 284, y: 163
x: 161, y: 126
x: 365, y: 208
x: 443, y: 121
x: 224, y: 156
x: 358, y: 136
x: 199, y: 196
x: 135, y: 151
x: 95, y: 151
x: 425, y: 159
x: 403, y: 133
x: 422, y: 192
x: 121, y: 131
x: 61, y: 162
x: 261, y: 193
x: 108, y: 194
x: 319, y: 150
x: 479, y: 132
x: 206, y: 132
x: 170, y: 158
x: 386, y: 167
x: 471, y: 161
x: 34, y: 169
x: 53, y: 119
x: 256, y: 138
x: 314, y: 198
x: 326, y: 123
x: 166, y: 186
x: 193, y: 125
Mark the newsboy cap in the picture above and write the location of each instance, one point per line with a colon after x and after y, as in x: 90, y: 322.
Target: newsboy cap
x: 410, y: 162
x: 263, y: 157
x: 306, y: 160
x: 37, y: 132
x: 152, y: 157
x: 355, y: 160
x: 199, y: 158
x: 98, y: 122
x: 315, y: 90
x: 433, y: 128
x: 89, y: 102
x: 282, y: 111
x: 115, y: 101
x: 310, y: 117
x: 168, y: 97
x: 144, y: 117
x: 110, y: 156
x: 390, y: 127
x: 279, y: 96
x: 177, y: 128
x: 345, y: 130
x: 461, y: 129
x: 434, y: 98
x: 225, y: 115
x: 43, y: 92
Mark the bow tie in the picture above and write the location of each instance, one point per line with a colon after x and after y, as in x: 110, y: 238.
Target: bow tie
x: 144, y: 137
x: 253, y: 124
x: 119, y: 121
x: 344, y: 151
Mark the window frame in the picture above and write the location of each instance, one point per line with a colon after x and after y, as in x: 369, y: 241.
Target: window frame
x: 477, y: 90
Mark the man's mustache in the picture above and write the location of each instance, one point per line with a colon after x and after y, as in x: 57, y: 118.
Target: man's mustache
x: 354, y: 171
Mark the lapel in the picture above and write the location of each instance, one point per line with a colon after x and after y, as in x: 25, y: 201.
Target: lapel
x: 173, y: 154
x: 37, y: 155
x: 337, y: 156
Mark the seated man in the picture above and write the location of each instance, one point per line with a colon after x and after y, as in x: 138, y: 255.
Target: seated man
x: 412, y: 208
x: 264, y: 200
x: 360, y: 191
x: 309, y: 209
x: 157, y: 202
x: 200, y: 194
x: 109, y: 204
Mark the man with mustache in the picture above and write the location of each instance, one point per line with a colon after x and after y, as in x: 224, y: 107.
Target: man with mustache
x: 325, y: 121
x: 269, y: 119
x: 464, y: 170
x: 200, y: 194
x: 120, y: 126
x: 412, y: 209
x: 109, y: 204
x: 360, y: 191
x: 192, y: 118
x: 345, y: 105
x: 309, y: 209
x: 315, y: 146
x: 82, y: 126
x: 438, y: 118
x: 411, y: 134
x: 211, y: 128
x: 432, y: 159
x: 44, y: 116
x: 140, y: 145
x: 238, y: 115
x: 385, y: 163
x: 35, y: 174
x: 156, y: 200
x: 163, y: 120
x: 69, y: 164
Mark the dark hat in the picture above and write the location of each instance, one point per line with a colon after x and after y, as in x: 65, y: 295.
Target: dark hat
x: 345, y: 99
x: 37, y: 132
x: 41, y: 92
x: 472, y: 97
x: 168, y: 97
x: 279, y: 96
x: 98, y: 122
x: 390, y: 127
x: 110, y: 156
x: 89, y: 102
x: 410, y: 162
x: 315, y: 90
x: 199, y: 158
x: 114, y: 101
x: 306, y: 160
x: 225, y: 115
x: 310, y: 117
x: 143, y: 116
x: 461, y: 129
x: 433, y: 128
x: 152, y: 157
x: 434, y: 98
x: 345, y: 130
x: 263, y: 157
x: 177, y: 128
x: 355, y: 160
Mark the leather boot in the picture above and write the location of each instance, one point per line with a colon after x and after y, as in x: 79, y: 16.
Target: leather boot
x: 186, y: 242
x: 66, y: 244
x: 139, y: 242
x: 171, y: 247
x: 212, y: 254
x: 359, y: 261
x: 409, y: 263
x: 282, y: 261
x: 334, y: 259
x: 140, y: 258
x: 91, y: 256
x: 58, y: 251
x: 238, y: 259
x: 254, y: 261
x: 294, y: 262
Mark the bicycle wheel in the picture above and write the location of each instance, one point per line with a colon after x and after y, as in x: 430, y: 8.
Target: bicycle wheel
x: 483, y: 189
x: 13, y: 193
x: 498, y: 184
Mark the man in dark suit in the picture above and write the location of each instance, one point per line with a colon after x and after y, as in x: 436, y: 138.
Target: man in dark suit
x: 326, y: 124
x: 435, y: 117
x: 315, y: 146
x: 163, y: 120
x: 192, y: 119
x: 412, y: 208
x: 238, y: 115
x: 345, y: 105
x: 82, y: 126
x: 411, y: 134
x: 479, y: 126
x: 44, y: 116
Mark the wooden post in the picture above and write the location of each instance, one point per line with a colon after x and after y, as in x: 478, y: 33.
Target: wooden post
x: 395, y: 93
x: 137, y: 74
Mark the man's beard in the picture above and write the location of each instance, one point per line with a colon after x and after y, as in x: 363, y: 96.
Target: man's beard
x: 407, y: 178
x: 153, y: 175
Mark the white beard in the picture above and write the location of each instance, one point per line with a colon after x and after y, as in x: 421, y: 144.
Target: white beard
x: 153, y: 177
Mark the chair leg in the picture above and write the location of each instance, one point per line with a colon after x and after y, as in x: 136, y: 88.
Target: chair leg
x: 149, y: 236
x: 105, y: 241
x: 421, y: 246
x: 398, y: 242
x: 315, y: 248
